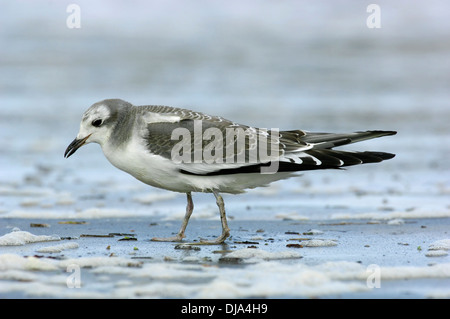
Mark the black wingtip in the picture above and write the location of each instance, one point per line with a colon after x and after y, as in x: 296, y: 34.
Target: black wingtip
x: 385, y: 156
x: 383, y: 133
x: 373, y: 157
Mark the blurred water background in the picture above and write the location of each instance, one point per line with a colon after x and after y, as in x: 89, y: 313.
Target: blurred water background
x: 313, y: 65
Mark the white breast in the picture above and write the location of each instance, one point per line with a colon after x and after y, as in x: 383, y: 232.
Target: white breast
x: 137, y: 161
x: 157, y: 171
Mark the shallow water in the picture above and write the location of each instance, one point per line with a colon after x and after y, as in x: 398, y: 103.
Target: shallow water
x: 290, y: 65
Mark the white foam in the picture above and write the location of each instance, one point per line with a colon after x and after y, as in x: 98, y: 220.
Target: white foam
x: 438, y: 248
x: 422, y: 212
x: 396, y: 222
x: 69, y: 213
x: 265, y: 279
x: 259, y: 254
x: 19, y: 238
x: 314, y: 232
x: 291, y: 216
x: 411, y: 272
x: 65, y: 199
x: 58, y: 248
x: 17, y: 275
x: 16, y: 262
x: 276, y: 279
x: 26, y: 191
x: 443, y: 244
x: 436, y: 253
x: 318, y: 243
x: 99, y: 261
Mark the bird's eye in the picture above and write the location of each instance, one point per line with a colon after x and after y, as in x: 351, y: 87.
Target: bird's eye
x: 97, y: 122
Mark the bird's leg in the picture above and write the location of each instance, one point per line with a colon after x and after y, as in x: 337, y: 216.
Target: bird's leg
x: 180, y: 235
x: 223, y: 219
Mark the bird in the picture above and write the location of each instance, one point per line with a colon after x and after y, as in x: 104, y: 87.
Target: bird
x: 185, y: 151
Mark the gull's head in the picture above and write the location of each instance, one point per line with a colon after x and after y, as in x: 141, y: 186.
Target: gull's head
x: 97, y: 124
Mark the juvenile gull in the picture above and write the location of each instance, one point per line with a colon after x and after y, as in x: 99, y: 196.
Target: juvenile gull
x: 185, y: 151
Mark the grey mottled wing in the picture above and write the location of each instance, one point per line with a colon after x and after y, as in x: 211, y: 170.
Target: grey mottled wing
x: 242, y: 146
x: 211, y: 139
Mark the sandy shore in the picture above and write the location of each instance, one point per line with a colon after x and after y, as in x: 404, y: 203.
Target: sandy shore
x: 114, y: 258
